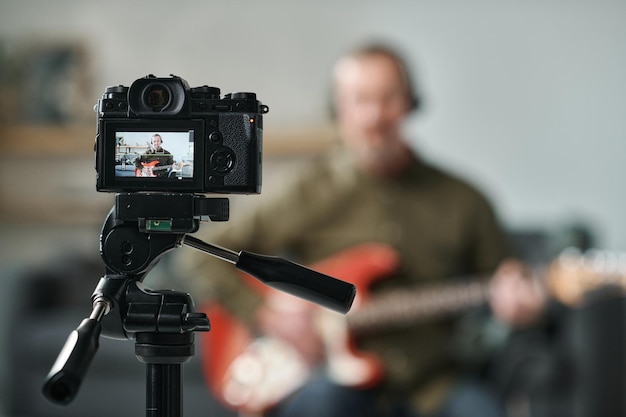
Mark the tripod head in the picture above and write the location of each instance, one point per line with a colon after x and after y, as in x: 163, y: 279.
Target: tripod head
x: 139, y: 229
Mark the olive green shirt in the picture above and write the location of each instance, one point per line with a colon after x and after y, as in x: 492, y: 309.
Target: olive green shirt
x: 441, y: 226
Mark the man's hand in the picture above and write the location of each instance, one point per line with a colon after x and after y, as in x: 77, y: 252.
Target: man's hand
x: 517, y: 298
x: 294, y: 321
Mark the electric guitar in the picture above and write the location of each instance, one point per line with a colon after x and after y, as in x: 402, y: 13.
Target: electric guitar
x: 252, y: 374
x: 149, y: 169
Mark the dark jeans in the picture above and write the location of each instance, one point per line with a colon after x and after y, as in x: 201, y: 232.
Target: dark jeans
x: 322, y: 397
x: 471, y: 398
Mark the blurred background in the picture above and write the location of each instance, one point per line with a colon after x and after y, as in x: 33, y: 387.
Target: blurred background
x: 523, y: 98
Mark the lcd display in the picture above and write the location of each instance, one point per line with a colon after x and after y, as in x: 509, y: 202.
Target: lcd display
x: 163, y: 155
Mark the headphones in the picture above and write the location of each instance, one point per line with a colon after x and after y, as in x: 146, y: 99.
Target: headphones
x: 415, y: 99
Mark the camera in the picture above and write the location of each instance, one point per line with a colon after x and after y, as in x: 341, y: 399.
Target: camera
x: 161, y: 135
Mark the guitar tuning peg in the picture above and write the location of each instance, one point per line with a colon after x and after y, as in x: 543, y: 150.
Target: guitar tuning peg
x: 570, y: 258
x: 595, y: 259
x: 621, y: 264
x: 611, y: 262
x: 609, y: 266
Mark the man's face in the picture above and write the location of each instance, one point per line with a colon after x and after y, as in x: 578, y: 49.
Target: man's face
x: 156, y: 142
x: 372, y: 101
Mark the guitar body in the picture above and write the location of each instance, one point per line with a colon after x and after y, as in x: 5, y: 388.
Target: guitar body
x: 362, y: 266
x: 251, y: 374
x: 147, y: 170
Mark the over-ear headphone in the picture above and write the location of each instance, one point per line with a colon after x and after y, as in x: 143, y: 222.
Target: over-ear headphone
x: 415, y: 99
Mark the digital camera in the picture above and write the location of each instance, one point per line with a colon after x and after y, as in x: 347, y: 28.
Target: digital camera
x: 160, y: 135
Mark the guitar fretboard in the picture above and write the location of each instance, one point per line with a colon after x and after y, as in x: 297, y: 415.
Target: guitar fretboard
x: 406, y: 307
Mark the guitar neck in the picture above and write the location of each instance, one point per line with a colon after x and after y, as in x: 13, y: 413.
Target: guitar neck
x: 161, y: 167
x: 406, y: 307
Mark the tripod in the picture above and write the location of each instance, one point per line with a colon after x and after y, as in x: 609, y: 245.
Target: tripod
x: 138, y: 230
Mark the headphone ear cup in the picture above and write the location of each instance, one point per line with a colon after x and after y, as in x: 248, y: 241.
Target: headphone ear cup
x: 416, y: 101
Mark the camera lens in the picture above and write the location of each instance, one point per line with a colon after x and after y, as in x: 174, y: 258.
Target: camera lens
x: 156, y: 96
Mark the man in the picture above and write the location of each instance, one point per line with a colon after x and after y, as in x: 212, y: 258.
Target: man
x: 156, y: 162
x: 374, y: 188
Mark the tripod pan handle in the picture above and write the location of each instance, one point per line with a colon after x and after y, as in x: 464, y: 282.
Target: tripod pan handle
x: 66, y: 375
x: 298, y: 280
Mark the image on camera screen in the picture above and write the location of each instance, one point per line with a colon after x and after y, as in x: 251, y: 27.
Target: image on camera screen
x: 163, y: 155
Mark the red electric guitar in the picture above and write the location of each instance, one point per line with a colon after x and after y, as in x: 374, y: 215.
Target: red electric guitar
x: 150, y: 169
x: 252, y: 374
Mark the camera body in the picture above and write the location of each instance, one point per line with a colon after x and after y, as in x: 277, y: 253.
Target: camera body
x: 161, y: 135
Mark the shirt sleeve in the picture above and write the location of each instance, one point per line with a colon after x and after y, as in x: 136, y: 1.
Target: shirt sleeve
x: 489, y: 238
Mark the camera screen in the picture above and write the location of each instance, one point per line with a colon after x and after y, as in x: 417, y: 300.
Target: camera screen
x: 164, y: 155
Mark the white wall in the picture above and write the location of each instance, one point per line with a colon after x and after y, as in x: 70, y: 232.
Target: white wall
x: 526, y: 98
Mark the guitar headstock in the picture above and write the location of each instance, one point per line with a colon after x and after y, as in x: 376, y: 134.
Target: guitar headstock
x: 573, y: 273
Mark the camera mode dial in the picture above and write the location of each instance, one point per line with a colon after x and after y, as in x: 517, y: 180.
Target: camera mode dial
x: 205, y: 92
x: 116, y: 91
x: 241, y: 96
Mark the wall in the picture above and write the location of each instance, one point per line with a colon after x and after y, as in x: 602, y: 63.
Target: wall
x: 524, y: 98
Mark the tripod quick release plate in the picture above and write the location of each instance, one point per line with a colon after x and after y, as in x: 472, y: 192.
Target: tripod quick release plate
x: 169, y: 212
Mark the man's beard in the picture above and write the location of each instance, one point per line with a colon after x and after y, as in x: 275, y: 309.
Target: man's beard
x: 384, y: 156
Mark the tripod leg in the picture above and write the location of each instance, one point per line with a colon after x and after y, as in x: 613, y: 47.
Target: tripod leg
x: 164, y: 390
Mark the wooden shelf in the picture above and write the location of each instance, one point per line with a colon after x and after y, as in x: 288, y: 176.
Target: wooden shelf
x: 76, y: 140
x: 71, y: 140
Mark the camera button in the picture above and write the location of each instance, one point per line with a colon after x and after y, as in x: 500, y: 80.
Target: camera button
x: 215, y: 137
x: 222, y: 161
x: 127, y: 247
